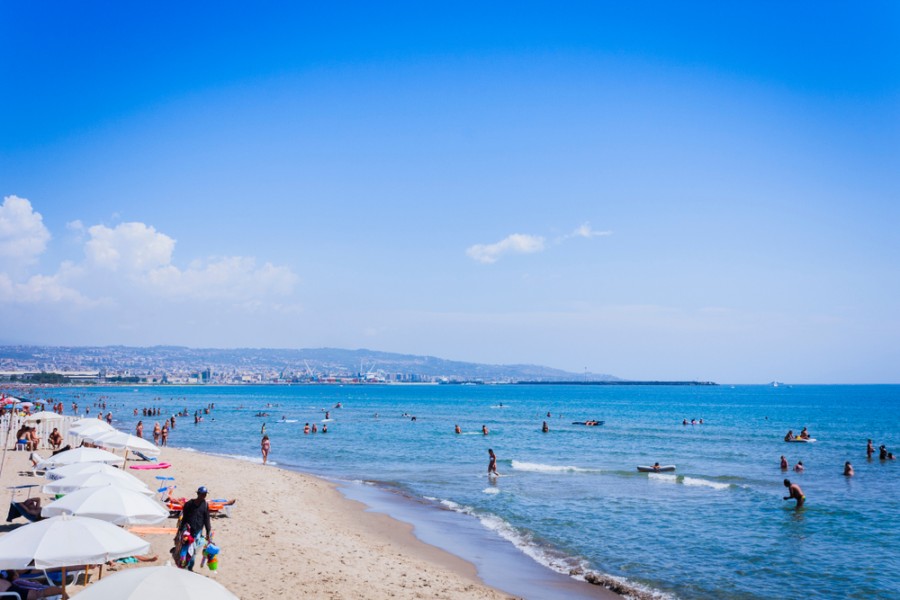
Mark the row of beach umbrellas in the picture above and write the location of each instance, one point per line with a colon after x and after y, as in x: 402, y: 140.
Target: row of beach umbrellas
x: 84, y: 525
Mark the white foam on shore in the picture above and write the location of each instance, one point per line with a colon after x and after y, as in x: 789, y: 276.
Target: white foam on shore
x: 491, y: 490
x: 541, y: 468
x: 523, y: 541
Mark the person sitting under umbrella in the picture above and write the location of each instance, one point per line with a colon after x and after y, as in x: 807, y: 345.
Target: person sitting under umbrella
x: 27, y: 589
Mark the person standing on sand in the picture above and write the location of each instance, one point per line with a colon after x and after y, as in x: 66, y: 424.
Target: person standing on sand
x: 195, y: 516
x: 794, y: 492
x: 139, y: 429
x: 156, y: 433
x: 264, y: 446
x: 492, y: 463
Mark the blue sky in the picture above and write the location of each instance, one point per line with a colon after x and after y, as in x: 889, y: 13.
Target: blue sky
x: 662, y: 190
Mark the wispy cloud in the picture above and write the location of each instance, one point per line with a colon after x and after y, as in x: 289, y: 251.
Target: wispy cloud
x: 520, y: 243
x: 583, y: 231
x: 517, y: 243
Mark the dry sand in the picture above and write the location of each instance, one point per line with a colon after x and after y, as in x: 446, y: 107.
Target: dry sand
x: 291, y: 535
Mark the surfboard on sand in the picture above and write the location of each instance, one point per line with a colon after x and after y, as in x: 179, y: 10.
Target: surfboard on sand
x: 662, y: 469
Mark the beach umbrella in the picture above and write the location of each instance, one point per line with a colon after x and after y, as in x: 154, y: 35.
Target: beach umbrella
x: 66, y: 541
x: 44, y: 415
x: 80, y: 455
x: 73, y: 483
x: 153, y: 583
x: 88, y: 422
x: 111, y: 503
x: 123, y: 441
x: 76, y: 468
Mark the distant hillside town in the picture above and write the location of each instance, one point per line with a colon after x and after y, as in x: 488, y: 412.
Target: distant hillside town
x: 180, y: 365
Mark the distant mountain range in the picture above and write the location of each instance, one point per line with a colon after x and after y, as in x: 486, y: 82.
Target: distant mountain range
x: 282, y: 363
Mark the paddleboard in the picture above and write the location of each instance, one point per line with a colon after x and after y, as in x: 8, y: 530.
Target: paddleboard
x: 801, y: 440
x: 662, y: 469
x: 592, y: 424
x: 164, y: 465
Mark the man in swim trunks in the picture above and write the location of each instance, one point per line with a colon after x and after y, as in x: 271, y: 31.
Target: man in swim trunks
x: 794, y: 492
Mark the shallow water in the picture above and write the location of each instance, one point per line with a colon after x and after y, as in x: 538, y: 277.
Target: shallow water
x: 717, y: 528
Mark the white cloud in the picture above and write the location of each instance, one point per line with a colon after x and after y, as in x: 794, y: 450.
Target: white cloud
x: 41, y: 289
x: 130, y: 246
x: 232, y: 277
x: 517, y: 243
x: 23, y: 236
x: 585, y: 231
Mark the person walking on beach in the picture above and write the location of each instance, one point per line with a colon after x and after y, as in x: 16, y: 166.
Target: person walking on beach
x: 492, y: 463
x: 195, y: 516
x: 794, y: 492
x: 264, y: 446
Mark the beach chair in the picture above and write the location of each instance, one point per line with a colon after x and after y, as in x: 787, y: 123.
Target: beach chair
x: 166, y: 485
x: 144, y: 457
x: 19, y: 509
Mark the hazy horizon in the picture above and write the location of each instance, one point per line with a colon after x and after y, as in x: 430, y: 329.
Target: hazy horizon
x: 684, y: 192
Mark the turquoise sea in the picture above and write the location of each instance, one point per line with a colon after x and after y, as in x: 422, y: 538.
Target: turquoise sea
x: 571, y: 497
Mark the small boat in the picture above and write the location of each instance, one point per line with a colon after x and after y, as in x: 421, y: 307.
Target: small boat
x: 800, y: 440
x: 660, y: 469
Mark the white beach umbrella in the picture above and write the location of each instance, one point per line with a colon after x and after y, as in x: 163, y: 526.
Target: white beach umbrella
x: 77, y: 468
x: 80, y: 455
x: 121, y: 440
x: 73, y: 483
x: 111, y: 503
x: 153, y: 583
x: 66, y: 541
x: 86, y: 422
x: 44, y: 416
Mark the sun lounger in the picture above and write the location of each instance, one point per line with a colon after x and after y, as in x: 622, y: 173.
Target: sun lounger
x: 20, y: 509
x: 144, y: 457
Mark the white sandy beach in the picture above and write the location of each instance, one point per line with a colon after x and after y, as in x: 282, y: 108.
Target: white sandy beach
x: 295, y: 536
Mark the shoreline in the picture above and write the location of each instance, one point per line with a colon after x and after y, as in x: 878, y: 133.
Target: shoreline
x: 299, y: 535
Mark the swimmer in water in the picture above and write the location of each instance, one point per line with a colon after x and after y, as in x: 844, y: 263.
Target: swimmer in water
x: 458, y: 430
x: 799, y: 466
x: 848, y: 469
x: 492, y: 463
x: 656, y: 467
x: 484, y: 429
x: 784, y: 463
x: 789, y: 435
x: 870, y: 450
x: 794, y: 492
x: 545, y: 428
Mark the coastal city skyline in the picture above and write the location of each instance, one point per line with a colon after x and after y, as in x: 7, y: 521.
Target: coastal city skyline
x: 655, y: 192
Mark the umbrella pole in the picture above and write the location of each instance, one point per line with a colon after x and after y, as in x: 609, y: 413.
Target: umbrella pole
x: 65, y: 595
x: 126, y: 458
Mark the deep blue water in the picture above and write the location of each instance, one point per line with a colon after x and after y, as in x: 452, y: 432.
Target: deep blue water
x: 717, y: 529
